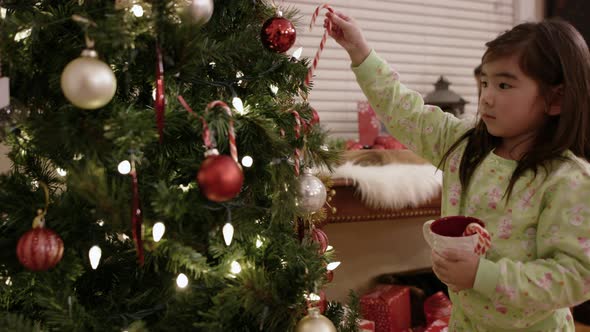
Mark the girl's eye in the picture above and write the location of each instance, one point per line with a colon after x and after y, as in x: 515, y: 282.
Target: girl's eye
x: 504, y: 86
x: 484, y: 84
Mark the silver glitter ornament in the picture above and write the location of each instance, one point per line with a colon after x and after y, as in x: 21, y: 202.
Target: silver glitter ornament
x: 200, y: 11
x: 312, y: 193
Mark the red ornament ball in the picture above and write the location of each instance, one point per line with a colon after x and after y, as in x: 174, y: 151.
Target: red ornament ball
x: 220, y: 178
x: 321, y: 238
x: 315, y: 117
x: 278, y: 34
x: 40, y: 249
x: 329, y: 276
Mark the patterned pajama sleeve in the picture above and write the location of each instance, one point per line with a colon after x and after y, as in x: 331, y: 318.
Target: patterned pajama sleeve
x: 424, y: 129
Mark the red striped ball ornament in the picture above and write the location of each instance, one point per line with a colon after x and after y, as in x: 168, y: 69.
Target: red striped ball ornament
x: 321, y: 238
x: 40, y: 248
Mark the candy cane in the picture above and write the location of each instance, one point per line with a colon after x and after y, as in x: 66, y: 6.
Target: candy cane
x: 232, y: 135
x: 484, y: 241
x: 316, y: 59
x: 297, y: 135
x: 206, y: 133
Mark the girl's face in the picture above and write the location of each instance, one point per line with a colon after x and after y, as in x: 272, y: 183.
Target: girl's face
x: 510, y: 104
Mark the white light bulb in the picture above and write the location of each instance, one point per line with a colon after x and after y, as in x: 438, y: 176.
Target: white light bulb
x: 238, y: 75
x: 274, y: 89
x: 259, y: 241
x: 158, y: 231
x: 2, y: 13
x: 184, y: 188
x: 235, y: 267
x: 182, y: 280
x: 228, y: 233
x: 61, y: 171
x: 154, y: 94
x: 8, y: 281
x: 22, y: 34
x: 100, y: 222
x: 247, y: 161
x: 332, y: 266
x: 94, y: 254
x: 297, y: 53
x: 329, y: 248
x: 137, y: 10
x: 124, y: 167
x: 313, y: 297
x: 238, y: 105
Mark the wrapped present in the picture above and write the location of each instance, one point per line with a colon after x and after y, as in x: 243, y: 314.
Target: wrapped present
x: 369, y: 125
x: 365, y: 325
x: 439, y: 325
x: 389, y: 307
x: 437, y: 306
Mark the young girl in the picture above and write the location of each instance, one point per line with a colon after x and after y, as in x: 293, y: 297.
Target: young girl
x: 522, y: 170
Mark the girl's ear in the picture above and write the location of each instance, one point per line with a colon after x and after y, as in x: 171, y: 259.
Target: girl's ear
x: 556, y: 100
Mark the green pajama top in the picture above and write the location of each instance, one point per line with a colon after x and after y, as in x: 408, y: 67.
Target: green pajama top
x: 539, y: 262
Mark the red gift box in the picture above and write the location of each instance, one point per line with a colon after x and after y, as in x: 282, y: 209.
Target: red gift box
x: 439, y: 325
x: 369, y: 125
x: 438, y: 306
x: 389, y: 307
x: 366, y: 325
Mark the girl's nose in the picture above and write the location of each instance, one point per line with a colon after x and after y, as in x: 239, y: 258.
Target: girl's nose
x: 486, y: 97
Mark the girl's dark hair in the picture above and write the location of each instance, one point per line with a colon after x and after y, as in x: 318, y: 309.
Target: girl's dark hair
x: 556, y: 56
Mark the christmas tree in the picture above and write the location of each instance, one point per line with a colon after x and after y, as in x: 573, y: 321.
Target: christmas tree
x: 138, y: 199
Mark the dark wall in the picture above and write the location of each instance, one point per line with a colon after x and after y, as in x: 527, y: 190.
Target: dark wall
x: 577, y: 12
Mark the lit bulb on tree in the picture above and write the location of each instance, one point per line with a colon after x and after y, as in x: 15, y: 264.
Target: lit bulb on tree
x: 228, y: 233
x: 278, y: 33
x: 235, y: 267
x: 158, y: 231
x: 182, y: 280
x: 94, y: 255
x: 87, y: 82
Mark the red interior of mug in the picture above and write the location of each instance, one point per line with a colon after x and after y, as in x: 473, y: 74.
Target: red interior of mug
x: 453, y: 226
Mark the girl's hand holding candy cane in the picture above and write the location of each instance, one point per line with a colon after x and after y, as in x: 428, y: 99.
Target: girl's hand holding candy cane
x: 346, y: 32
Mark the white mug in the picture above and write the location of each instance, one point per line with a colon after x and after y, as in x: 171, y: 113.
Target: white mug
x: 446, y: 234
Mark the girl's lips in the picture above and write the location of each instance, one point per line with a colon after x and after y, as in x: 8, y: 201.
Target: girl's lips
x: 487, y: 116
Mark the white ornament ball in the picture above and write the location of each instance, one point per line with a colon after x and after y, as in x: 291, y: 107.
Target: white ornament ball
x: 200, y: 11
x: 315, y: 322
x: 88, y: 83
x: 312, y: 192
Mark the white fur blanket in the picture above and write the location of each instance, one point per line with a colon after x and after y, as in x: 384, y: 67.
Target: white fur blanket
x: 393, y: 186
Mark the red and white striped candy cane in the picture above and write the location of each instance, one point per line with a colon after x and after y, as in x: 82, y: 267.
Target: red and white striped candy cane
x: 232, y: 135
x: 297, y: 135
x: 206, y: 133
x: 484, y: 241
x: 316, y: 59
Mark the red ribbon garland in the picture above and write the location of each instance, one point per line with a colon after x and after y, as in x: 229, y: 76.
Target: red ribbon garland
x: 136, y: 215
x: 160, y: 94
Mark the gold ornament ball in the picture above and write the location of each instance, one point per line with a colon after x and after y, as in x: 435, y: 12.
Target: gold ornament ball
x: 88, y: 83
x: 315, y: 322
